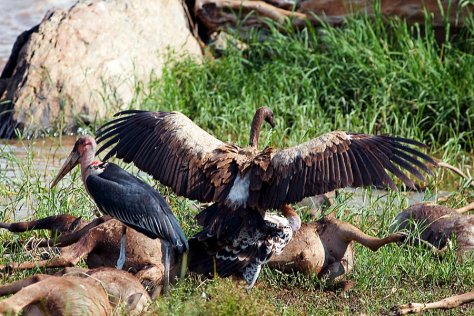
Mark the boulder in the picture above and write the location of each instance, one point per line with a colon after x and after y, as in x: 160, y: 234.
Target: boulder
x: 83, y: 63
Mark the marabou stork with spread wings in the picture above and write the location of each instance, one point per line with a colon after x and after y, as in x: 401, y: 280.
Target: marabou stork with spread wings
x: 130, y: 200
x: 245, y: 182
x: 196, y: 165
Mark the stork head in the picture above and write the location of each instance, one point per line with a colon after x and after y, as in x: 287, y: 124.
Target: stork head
x: 267, y: 115
x: 262, y: 114
x: 83, y: 152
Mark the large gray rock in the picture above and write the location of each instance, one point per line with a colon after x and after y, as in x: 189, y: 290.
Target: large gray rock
x: 85, y: 62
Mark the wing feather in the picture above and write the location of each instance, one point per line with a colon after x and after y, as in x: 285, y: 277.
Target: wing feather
x: 196, y: 165
x: 171, y: 148
x: 338, y: 159
x: 121, y: 195
x: 345, y: 168
x: 364, y: 170
x: 414, y: 161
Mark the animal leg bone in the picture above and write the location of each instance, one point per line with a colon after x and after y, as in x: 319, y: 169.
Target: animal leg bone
x: 466, y: 208
x: 455, y: 170
x: 447, y: 303
x: 432, y: 248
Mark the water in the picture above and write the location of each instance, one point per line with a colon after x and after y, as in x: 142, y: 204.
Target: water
x: 36, y: 160
x: 17, y: 16
x: 46, y: 154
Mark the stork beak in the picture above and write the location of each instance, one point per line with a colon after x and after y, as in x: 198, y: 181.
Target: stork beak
x: 69, y: 164
x: 270, y: 121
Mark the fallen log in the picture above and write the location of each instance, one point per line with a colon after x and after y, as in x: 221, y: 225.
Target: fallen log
x: 221, y: 14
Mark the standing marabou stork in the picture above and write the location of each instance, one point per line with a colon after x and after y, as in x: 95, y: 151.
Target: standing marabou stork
x: 130, y: 200
x: 196, y: 165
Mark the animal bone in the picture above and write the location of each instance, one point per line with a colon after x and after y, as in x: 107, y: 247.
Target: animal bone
x: 466, y: 208
x: 456, y: 171
x: 326, y: 248
x: 447, y: 303
x: 73, y: 291
x: 99, y: 241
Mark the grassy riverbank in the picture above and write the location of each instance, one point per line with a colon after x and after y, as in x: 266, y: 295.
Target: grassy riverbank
x: 365, y: 77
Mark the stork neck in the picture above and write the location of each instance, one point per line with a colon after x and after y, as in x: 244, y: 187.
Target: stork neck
x: 86, y: 160
x: 255, y: 128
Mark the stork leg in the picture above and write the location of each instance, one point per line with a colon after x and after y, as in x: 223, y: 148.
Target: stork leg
x: 123, y: 240
x: 166, y: 282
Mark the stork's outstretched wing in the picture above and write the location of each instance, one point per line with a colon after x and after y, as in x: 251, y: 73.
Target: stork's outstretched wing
x: 174, y: 150
x: 196, y: 165
x: 335, y: 160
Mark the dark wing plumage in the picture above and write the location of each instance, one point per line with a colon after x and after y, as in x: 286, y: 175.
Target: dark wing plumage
x: 222, y: 235
x: 332, y: 161
x: 226, y: 222
x: 174, y: 150
x: 196, y: 165
x: 121, y: 195
x: 241, y: 250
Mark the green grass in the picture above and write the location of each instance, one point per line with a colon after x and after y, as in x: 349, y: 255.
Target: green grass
x: 367, y: 76
x: 364, y: 77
